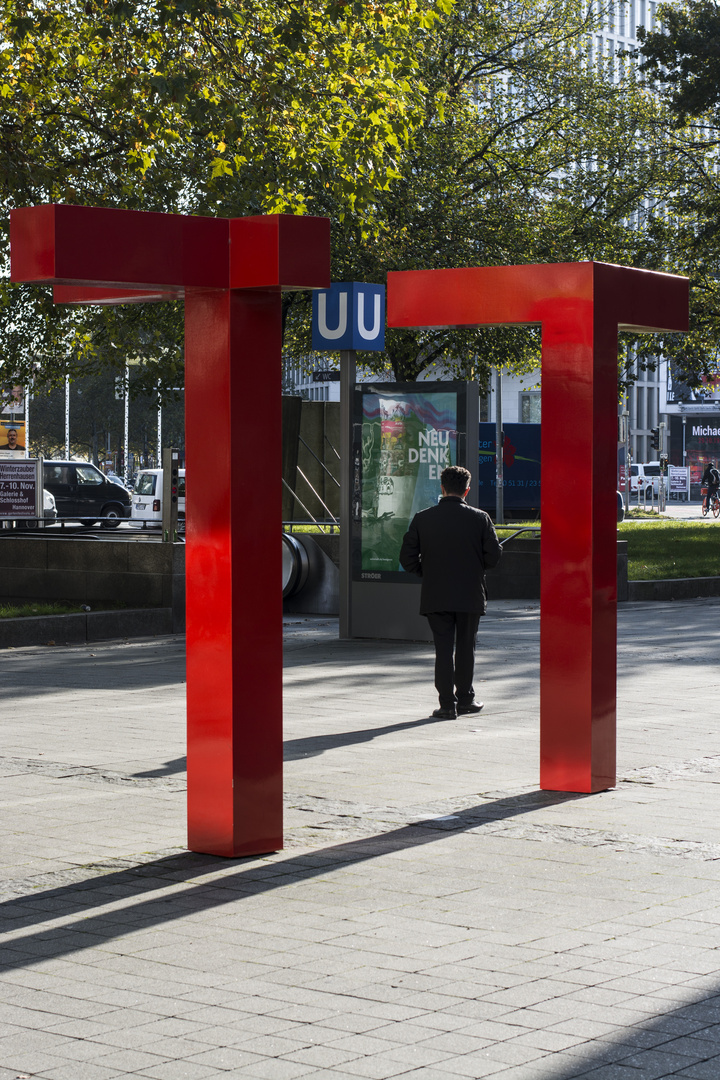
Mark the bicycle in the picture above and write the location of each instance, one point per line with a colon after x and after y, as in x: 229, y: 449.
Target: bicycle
x: 710, y: 502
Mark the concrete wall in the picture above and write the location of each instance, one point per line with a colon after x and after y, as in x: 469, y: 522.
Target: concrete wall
x: 92, y: 571
x: 291, y: 418
x: 674, y: 588
x: 320, y: 431
x: 76, y: 629
x: 517, y: 577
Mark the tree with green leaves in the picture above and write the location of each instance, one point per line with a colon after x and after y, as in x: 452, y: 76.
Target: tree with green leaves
x: 528, y: 152
x: 681, y: 61
x: 431, y: 132
x: 200, y: 106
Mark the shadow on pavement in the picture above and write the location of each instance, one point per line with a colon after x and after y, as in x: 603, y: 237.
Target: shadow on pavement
x: 103, y: 666
x: 89, y: 931
x: 313, y: 746
x: 177, y: 765
x: 683, y: 1039
x: 682, y: 1042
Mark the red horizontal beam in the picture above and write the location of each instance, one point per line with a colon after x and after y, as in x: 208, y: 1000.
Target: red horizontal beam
x: 525, y: 295
x: 78, y: 245
x: 105, y: 255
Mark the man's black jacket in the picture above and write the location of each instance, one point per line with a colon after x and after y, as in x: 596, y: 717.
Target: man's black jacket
x: 449, y: 546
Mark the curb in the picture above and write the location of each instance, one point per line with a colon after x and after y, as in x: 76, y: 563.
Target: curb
x: 90, y: 626
x: 674, y: 588
x: 77, y: 629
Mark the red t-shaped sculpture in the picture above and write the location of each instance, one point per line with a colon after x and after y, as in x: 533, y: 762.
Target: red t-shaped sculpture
x: 231, y: 273
x: 580, y: 307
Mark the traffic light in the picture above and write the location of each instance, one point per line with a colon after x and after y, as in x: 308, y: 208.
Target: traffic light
x: 655, y: 438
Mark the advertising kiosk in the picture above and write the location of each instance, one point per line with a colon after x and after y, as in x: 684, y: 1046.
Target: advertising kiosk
x: 396, y: 440
x: 404, y: 435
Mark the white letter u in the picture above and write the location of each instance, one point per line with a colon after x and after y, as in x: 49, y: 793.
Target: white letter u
x: 332, y: 335
x: 368, y: 335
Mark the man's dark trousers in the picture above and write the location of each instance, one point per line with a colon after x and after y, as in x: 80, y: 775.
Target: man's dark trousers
x: 454, y: 631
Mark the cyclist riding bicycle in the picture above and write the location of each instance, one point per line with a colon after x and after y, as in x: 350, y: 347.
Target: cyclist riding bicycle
x: 711, y: 480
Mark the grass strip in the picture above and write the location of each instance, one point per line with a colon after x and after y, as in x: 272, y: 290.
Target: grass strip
x: 671, y: 549
x: 23, y: 609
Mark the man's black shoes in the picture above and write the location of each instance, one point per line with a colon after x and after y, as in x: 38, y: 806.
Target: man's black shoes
x: 462, y: 710
x: 474, y: 707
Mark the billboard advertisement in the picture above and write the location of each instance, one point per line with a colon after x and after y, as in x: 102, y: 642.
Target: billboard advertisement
x: 20, y: 489
x: 12, y: 438
x: 12, y: 423
x: 405, y: 434
x: 521, y: 466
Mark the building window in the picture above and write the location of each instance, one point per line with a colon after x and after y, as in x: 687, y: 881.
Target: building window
x: 530, y: 407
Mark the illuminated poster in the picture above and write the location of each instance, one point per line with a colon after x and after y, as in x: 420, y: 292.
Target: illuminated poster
x: 404, y: 437
x: 12, y: 439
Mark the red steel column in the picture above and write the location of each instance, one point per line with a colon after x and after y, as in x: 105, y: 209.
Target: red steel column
x: 578, y: 587
x: 579, y: 307
x: 234, y: 614
x: 231, y: 274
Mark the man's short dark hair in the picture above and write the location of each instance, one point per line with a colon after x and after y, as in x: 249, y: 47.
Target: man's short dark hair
x: 455, y: 479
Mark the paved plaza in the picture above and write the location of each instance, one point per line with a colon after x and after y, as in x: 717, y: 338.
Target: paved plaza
x: 433, y: 914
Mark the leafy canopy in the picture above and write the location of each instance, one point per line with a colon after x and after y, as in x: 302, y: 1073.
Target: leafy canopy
x: 528, y: 151
x: 681, y: 61
x: 238, y: 107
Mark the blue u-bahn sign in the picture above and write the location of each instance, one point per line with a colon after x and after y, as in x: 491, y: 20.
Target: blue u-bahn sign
x: 349, y: 315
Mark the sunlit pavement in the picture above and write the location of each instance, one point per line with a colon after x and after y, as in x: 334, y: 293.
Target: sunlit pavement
x: 433, y: 914
x: 683, y: 511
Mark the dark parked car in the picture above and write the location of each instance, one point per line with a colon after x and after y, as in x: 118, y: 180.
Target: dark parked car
x: 84, y: 494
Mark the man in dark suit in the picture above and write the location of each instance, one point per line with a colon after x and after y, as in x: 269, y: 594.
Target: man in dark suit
x: 449, y: 546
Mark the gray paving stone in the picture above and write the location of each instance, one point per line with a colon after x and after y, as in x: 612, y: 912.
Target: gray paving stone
x: 703, y: 1070
x: 178, y: 1070
x: 78, y: 1070
x: 433, y: 915
x: 129, y: 1060
x: 321, y: 1056
x: 227, y: 1058
x: 275, y: 1069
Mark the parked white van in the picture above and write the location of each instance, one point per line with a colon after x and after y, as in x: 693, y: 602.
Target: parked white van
x: 147, y: 500
x: 646, y: 477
